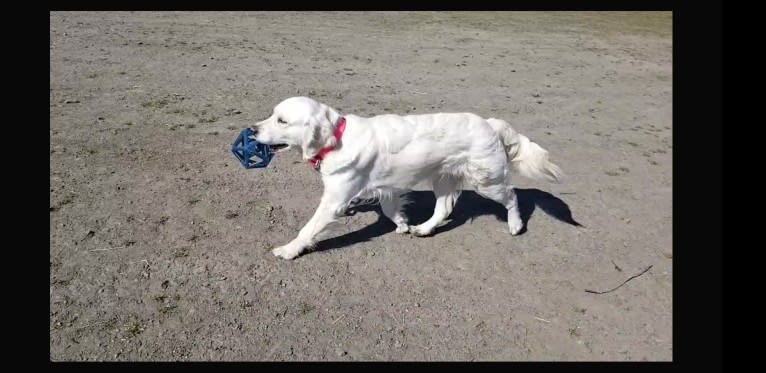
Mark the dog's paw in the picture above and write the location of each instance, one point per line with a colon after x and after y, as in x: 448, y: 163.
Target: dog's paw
x: 402, y: 228
x: 515, y: 226
x: 419, y: 230
x: 286, y: 252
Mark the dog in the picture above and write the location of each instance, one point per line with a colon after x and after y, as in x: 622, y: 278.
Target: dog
x: 381, y: 158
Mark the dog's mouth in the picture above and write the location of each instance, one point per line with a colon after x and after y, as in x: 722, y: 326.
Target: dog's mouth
x: 278, y: 147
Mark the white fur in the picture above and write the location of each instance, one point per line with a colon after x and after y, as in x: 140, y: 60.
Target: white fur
x: 382, y: 157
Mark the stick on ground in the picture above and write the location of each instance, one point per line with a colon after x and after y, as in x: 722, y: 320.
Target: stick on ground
x: 625, y: 282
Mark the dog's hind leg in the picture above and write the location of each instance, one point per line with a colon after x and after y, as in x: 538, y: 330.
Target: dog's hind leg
x: 392, y: 208
x: 503, y: 193
x: 446, y: 192
x: 489, y: 178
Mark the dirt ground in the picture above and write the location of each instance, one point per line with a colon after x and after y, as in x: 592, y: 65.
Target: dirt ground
x: 160, y: 241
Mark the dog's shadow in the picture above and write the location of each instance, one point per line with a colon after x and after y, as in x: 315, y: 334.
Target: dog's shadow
x: 469, y: 206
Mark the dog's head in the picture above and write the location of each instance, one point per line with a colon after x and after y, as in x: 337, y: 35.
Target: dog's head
x: 300, y: 122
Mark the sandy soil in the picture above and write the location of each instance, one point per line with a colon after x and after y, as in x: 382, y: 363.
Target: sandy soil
x: 160, y: 241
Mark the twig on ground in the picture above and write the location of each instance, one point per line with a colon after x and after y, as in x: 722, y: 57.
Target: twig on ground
x: 616, y: 266
x: 625, y: 282
x: 111, y: 248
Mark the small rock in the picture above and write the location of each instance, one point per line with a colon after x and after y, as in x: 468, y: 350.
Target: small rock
x: 204, y: 65
x: 341, y: 352
x: 72, y: 101
x: 89, y: 234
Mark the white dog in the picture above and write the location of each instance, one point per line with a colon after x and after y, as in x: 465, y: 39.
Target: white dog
x: 384, y: 156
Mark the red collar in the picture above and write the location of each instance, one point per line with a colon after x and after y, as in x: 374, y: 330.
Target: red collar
x: 338, y: 133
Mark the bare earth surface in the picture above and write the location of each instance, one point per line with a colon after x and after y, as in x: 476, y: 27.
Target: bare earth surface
x: 160, y: 241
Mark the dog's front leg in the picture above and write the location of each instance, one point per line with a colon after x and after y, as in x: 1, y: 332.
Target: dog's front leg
x: 335, y: 198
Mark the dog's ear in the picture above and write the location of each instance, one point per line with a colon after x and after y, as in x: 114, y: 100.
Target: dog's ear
x: 318, y: 133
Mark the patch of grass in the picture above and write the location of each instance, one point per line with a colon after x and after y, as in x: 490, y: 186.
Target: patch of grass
x: 181, y: 252
x: 245, y: 304
x: 167, y: 308
x: 134, y: 328
x: 69, y: 198
x: 128, y: 123
x: 573, y: 332
x: 632, y: 144
x: 612, y: 173
x: 305, y: 308
x: 166, y: 305
x: 579, y: 309
x: 92, y: 75
x: 193, y: 201
x: 653, y: 162
x: 160, y: 103
x: 111, y: 323
x: 624, y: 169
x: 61, y: 282
x: 211, y: 119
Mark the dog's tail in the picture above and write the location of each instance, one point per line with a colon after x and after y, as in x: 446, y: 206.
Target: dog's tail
x: 530, y: 159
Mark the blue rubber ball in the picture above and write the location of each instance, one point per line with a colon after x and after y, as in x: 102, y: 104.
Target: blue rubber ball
x: 250, y: 152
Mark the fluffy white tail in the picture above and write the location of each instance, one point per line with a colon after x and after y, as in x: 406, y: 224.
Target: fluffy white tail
x: 528, y: 158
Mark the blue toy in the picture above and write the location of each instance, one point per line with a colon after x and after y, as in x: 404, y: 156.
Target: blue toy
x: 250, y: 152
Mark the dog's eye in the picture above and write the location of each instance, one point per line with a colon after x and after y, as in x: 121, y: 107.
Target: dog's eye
x: 279, y: 120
